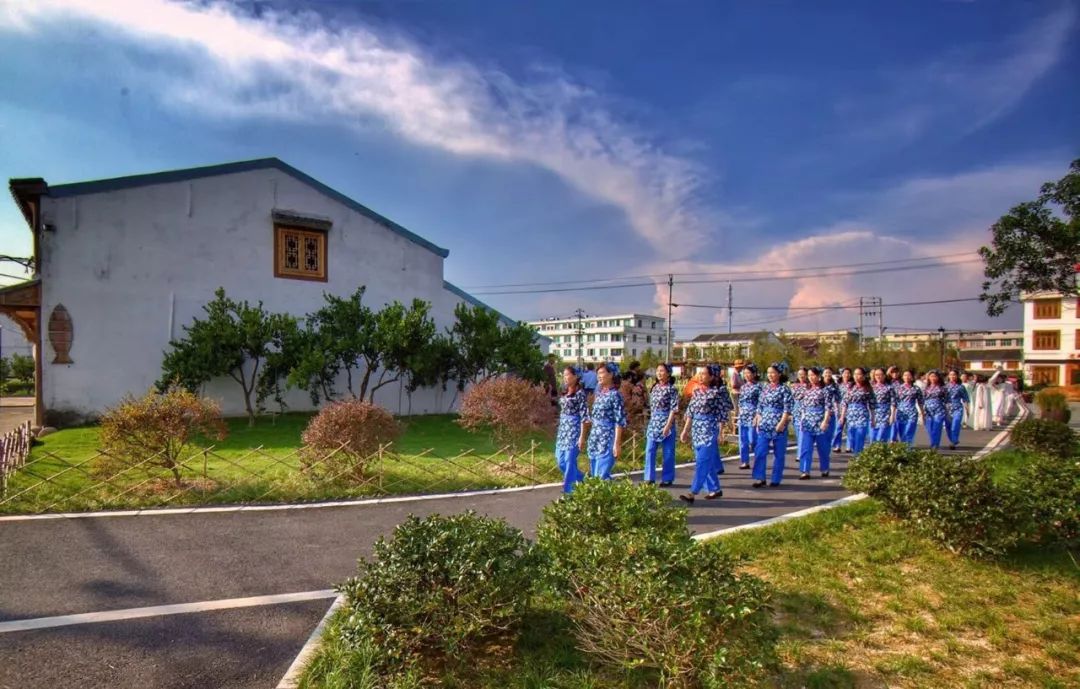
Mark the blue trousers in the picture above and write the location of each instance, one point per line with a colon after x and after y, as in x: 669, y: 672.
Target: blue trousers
x: 822, y: 442
x: 934, y: 426
x: 907, y: 428
x: 778, y: 443
x: 706, y: 459
x: 856, y: 436
x: 568, y: 465
x: 952, y: 427
x: 838, y: 436
x: 747, y: 440
x: 667, y: 448
x: 601, y: 463
x: 881, y: 434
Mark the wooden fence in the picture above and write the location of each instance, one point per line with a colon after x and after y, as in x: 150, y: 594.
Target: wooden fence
x: 14, y: 449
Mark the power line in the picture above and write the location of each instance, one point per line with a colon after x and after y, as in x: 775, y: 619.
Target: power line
x: 818, y: 308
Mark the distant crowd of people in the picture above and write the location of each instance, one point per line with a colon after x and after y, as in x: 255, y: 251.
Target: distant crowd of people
x: 828, y: 411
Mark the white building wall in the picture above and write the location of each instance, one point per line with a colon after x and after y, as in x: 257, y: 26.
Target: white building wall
x: 133, y: 266
x: 1067, y: 357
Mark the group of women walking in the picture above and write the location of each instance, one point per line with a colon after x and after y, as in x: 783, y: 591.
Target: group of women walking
x: 827, y: 412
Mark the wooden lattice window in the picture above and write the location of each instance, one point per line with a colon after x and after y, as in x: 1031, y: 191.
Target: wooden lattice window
x: 1047, y: 339
x: 299, y: 253
x: 1047, y: 308
x: 1047, y: 375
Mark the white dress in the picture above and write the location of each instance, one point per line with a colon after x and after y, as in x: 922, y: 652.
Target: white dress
x: 1008, y: 403
x: 983, y: 411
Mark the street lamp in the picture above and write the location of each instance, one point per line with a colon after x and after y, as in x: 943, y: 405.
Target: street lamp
x: 941, y: 332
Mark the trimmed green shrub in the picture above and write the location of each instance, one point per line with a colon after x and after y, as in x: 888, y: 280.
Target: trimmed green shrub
x: 877, y: 467
x: 1045, y: 436
x: 1053, y: 405
x: 438, y: 588
x: 955, y: 502
x: 1046, y: 491
x: 645, y: 597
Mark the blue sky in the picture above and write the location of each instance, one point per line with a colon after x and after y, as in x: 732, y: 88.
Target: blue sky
x: 557, y: 141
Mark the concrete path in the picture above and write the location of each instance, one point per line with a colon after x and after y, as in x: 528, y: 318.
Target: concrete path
x: 70, y: 566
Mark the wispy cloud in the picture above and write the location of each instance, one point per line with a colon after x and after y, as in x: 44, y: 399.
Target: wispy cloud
x: 301, y: 67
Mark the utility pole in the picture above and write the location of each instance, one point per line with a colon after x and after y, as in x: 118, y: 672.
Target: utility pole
x: 729, y: 308
x: 941, y: 331
x: 580, y: 335
x: 869, y: 306
x: 670, y: 287
x: 860, y: 324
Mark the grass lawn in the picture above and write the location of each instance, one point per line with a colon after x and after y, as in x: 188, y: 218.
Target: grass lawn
x: 260, y: 464
x: 860, y: 603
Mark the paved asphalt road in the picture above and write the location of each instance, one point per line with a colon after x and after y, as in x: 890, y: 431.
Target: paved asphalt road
x: 79, y: 565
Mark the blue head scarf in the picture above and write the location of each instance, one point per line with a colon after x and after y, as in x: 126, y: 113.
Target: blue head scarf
x: 716, y: 373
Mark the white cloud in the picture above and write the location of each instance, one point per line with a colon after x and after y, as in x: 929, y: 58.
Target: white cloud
x: 299, y: 67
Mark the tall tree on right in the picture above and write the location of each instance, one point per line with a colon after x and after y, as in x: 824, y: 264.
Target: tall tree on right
x: 1035, y: 246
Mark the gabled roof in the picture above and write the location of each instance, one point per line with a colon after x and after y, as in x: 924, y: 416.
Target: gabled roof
x: 729, y: 337
x: 187, y: 174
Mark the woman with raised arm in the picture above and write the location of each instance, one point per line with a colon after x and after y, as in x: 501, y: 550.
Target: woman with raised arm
x: 934, y: 411
x: 856, y: 411
x: 573, y: 422
x: 709, y: 407
x: 816, y: 422
x: 909, y: 407
x: 608, y: 419
x: 660, y: 433
x: 884, y: 407
x: 773, y: 416
x: 956, y: 401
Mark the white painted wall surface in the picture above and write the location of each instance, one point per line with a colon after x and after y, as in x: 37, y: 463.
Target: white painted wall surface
x: 133, y: 266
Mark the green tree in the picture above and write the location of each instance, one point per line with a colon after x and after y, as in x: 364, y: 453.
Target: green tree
x: 488, y: 348
x: 400, y: 334
x: 335, y: 339
x: 1035, y: 246
x: 233, y: 340
x: 518, y: 352
x: 22, y: 367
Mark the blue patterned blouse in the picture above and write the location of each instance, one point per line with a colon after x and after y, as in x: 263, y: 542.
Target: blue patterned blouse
x: 662, y: 400
x: 707, y: 409
x: 749, y: 398
x: 884, y: 401
x: 908, y: 400
x: 798, y: 391
x: 934, y: 398
x: 573, y: 411
x: 816, y: 401
x: 776, y: 400
x: 956, y: 396
x: 608, y: 412
x: 856, y: 407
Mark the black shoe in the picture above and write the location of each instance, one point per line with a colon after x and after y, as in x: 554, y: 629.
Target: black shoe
x: 824, y: 474
x: 757, y: 484
x: 649, y: 483
x: 773, y: 484
x: 744, y: 466
x: 804, y: 477
x: 714, y: 495
x: 952, y: 447
x: 665, y: 484
x: 686, y: 497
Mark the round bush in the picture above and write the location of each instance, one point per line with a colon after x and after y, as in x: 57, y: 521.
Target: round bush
x: 1053, y: 405
x: 1045, y: 436
x: 955, y: 502
x: 511, y: 409
x: 877, y: 467
x: 1046, y: 491
x: 344, y: 437
x: 438, y: 587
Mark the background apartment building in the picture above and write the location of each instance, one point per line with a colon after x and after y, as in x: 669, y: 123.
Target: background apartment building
x: 604, y: 338
x: 1051, y: 347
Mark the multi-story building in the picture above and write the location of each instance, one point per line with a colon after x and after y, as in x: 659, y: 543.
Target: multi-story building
x: 1051, y: 338
x: 719, y: 345
x: 604, y: 338
x: 984, y: 352
x: 830, y: 337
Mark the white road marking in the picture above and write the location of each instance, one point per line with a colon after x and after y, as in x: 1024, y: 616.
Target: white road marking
x: 291, y: 680
x: 158, y: 610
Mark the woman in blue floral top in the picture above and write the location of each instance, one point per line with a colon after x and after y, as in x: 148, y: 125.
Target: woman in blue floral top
x: 934, y: 411
x: 816, y: 423
x: 842, y: 388
x: 856, y: 411
x: 893, y: 377
x: 772, y: 419
x: 798, y: 389
x: 956, y: 400
x: 660, y: 433
x: 573, y: 420
x: 608, y: 419
x: 709, y: 407
x: 749, y: 396
x: 884, y: 408
x: 909, y: 407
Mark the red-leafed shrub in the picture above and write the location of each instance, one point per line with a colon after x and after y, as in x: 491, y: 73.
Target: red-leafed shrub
x: 510, y: 409
x: 155, y: 430
x: 343, y: 438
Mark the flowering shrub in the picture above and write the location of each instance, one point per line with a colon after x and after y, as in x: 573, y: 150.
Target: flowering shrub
x: 340, y: 441
x: 156, y: 429
x: 510, y: 409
